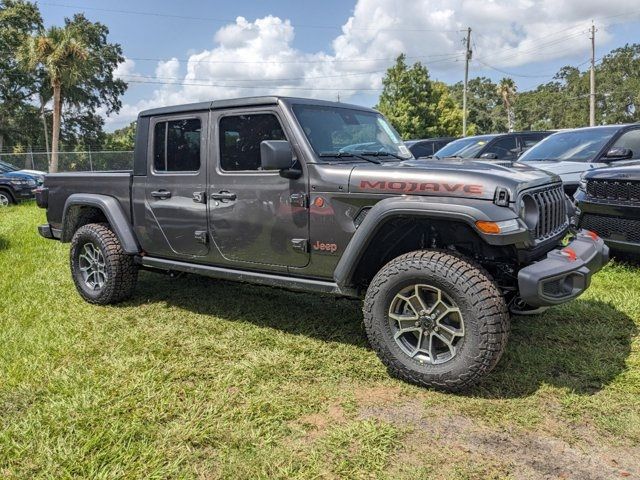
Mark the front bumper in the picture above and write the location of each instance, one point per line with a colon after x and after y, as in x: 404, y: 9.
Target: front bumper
x: 25, y: 193
x: 565, y: 273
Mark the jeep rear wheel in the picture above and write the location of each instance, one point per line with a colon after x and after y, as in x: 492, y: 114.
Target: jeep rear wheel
x: 102, y: 272
x: 436, y: 320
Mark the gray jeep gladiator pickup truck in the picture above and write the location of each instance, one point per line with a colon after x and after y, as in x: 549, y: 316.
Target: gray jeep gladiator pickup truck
x: 324, y: 197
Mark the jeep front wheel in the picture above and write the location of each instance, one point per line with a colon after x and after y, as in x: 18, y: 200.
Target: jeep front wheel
x: 436, y: 320
x: 102, y: 272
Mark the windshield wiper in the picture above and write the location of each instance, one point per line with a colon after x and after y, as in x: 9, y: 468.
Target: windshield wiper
x: 347, y: 155
x: 383, y: 153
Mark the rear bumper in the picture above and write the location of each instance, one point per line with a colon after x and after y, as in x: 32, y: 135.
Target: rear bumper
x: 565, y: 273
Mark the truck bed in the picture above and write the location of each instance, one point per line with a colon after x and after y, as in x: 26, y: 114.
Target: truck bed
x: 115, y: 184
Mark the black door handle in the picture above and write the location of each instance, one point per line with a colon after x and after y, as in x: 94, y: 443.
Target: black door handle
x: 161, y: 194
x: 224, y: 195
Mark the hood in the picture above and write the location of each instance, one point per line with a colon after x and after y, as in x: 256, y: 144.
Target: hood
x: 19, y: 174
x: 626, y: 173
x: 37, y: 173
x: 449, y: 177
x: 560, y: 167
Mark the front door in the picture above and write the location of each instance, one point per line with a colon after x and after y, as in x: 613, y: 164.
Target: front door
x: 176, y: 185
x: 255, y: 216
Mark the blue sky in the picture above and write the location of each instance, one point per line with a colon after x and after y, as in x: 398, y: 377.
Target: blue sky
x: 201, y: 50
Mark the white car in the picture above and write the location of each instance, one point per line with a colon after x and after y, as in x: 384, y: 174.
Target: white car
x: 570, y: 153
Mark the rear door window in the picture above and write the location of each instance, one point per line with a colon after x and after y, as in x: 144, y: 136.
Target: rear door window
x: 176, y: 145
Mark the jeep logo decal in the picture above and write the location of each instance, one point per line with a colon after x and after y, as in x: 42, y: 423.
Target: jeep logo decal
x: 407, y: 187
x: 325, y: 247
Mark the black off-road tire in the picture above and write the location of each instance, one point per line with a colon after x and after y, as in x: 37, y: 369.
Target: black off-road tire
x: 483, y: 308
x: 121, y: 271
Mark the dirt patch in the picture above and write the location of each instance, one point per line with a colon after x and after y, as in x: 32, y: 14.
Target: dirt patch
x: 367, y: 396
x: 523, y: 454
x: 315, y: 425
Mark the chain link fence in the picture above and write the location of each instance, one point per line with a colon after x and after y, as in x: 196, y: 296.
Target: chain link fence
x: 72, y: 161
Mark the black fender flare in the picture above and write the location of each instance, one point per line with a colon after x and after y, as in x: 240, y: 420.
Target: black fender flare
x: 467, y: 211
x: 112, y: 210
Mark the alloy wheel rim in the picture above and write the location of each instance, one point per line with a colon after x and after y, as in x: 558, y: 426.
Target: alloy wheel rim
x: 4, y: 200
x: 426, y: 324
x: 92, y: 266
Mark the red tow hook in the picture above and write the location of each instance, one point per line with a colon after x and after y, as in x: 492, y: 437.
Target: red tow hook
x: 592, y: 235
x: 570, y: 253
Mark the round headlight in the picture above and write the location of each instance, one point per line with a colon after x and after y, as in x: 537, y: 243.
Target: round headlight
x: 529, y: 212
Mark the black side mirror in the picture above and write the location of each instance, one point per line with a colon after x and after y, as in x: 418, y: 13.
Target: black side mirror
x: 489, y: 156
x: 618, y: 153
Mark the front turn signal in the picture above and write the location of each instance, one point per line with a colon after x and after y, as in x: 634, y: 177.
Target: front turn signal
x: 494, y: 228
x: 488, y: 227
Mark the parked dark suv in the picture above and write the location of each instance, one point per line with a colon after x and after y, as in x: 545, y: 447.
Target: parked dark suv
x: 428, y: 146
x: 14, y: 189
x: 496, y: 146
x: 609, y: 202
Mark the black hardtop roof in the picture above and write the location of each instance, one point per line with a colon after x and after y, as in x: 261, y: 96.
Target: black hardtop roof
x: 245, y: 102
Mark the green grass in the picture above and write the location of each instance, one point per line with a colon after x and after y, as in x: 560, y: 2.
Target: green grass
x: 196, y: 378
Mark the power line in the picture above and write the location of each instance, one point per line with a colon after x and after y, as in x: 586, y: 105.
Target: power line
x: 511, y: 74
x: 405, y: 28
x: 293, y: 87
x: 319, y: 77
x: 439, y: 58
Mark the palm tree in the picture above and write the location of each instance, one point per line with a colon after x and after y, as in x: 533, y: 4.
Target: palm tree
x: 507, y: 91
x: 63, y: 57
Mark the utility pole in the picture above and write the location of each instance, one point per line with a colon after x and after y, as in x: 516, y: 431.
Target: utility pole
x: 592, y: 78
x: 467, y: 57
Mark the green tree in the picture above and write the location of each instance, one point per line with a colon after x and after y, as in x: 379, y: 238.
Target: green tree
x: 64, y: 58
x: 77, y: 64
x: 121, y: 139
x: 18, y: 20
x: 506, y: 88
x: 95, y: 91
x: 618, y: 86
x: 484, y: 104
x: 416, y: 106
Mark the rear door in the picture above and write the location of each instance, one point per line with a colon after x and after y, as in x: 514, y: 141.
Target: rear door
x: 255, y: 216
x: 176, y: 185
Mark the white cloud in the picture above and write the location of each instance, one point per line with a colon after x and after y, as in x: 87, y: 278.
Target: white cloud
x: 254, y: 58
x: 125, y: 68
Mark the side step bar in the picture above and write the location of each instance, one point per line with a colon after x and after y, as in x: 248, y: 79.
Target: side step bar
x: 289, y: 283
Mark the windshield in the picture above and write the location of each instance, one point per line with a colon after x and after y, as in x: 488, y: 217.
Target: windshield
x: 335, y: 130
x: 7, y: 167
x: 572, y: 146
x: 464, y: 148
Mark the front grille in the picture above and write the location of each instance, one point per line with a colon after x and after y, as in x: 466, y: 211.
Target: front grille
x: 552, y: 211
x: 612, y: 228
x: 614, y: 190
